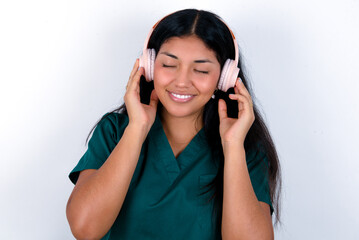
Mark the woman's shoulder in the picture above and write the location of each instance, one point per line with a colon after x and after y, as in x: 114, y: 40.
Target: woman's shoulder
x: 115, y: 118
x: 113, y: 122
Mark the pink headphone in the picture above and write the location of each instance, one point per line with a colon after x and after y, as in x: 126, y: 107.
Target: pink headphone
x: 229, y: 72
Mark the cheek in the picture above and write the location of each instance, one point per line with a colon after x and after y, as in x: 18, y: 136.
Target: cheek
x: 205, y: 88
x: 160, y: 84
x: 161, y: 77
x: 209, y: 84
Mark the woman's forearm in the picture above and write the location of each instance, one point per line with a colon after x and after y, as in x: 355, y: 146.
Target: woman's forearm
x: 95, y: 203
x: 243, y: 216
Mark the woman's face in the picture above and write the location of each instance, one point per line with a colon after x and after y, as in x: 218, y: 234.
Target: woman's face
x: 186, y: 74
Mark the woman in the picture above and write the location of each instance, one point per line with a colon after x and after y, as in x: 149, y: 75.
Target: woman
x: 184, y: 157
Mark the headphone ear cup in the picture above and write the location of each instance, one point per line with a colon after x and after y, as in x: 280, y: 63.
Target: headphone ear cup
x: 143, y: 61
x: 222, y: 79
x: 229, y: 75
x: 147, y: 60
x: 152, y: 57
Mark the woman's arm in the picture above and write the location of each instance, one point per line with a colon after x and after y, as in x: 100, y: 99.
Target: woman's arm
x: 97, y: 198
x: 244, y: 217
x: 99, y: 194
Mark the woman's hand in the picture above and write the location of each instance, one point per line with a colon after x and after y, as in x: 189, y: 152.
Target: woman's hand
x: 140, y: 115
x: 233, y: 130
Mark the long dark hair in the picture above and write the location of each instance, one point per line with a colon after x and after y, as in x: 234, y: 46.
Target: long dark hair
x: 216, y: 35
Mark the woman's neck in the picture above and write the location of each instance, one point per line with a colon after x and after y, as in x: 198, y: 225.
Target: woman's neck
x: 180, y: 130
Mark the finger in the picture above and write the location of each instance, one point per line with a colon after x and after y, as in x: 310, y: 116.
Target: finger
x: 133, y: 72
x: 154, y: 99
x: 242, y: 89
x: 234, y: 98
x: 134, y: 83
x: 134, y: 69
x: 242, y: 100
x: 222, y: 109
x: 236, y: 90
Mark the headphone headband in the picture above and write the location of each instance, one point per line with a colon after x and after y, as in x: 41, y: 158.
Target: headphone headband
x: 233, y: 37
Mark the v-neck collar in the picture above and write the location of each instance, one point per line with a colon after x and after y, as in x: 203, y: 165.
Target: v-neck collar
x: 189, y: 154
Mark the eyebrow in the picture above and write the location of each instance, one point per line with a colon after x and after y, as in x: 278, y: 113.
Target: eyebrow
x: 196, y: 61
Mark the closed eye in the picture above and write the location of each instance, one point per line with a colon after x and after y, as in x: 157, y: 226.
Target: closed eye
x: 167, y: 66
x: 199, y: 71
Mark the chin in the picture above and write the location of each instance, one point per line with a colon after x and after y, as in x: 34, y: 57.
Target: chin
x: 179, y: 112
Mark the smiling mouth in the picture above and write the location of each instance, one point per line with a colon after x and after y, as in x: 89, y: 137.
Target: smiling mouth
x: 180, y: 97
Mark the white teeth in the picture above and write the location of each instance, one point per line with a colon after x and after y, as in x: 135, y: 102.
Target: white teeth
x: 181, y: 96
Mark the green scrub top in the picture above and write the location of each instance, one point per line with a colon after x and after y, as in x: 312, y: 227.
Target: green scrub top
x: 163, y: 200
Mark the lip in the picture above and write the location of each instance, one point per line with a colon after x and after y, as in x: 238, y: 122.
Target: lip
x: 180, y: 100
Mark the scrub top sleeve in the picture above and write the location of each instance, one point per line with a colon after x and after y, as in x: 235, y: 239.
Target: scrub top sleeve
x: 103, y: 140
x: 258, y: 167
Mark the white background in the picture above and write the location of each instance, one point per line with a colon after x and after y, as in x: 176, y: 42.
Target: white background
x: 63, y: 64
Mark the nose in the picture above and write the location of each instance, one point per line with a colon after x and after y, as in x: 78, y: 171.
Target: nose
x: 183, y: 78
